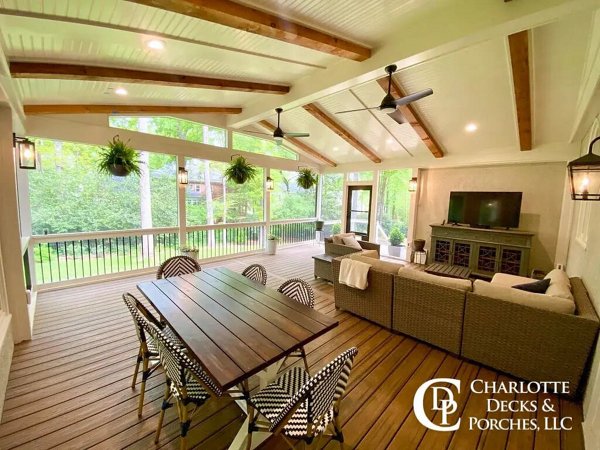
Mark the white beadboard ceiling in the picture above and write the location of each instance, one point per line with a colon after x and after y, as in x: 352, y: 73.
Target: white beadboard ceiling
x: 473, y: 84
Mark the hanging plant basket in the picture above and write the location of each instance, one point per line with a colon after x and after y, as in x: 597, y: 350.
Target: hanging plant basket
x: 240, y: 171
x: 119, y: 159
x: 307, y: 178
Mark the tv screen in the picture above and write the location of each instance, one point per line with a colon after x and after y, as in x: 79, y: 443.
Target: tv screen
x: 485, y: 209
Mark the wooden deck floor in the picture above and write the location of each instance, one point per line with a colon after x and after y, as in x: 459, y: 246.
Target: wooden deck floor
x: 69, y: 387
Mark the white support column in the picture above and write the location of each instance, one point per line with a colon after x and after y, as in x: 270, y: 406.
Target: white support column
x: 10, y: 239
x: 374, y: 200
x: 181, y: 188
x: 266, y: 206
x: 319, y: 197
x: 412, y: 213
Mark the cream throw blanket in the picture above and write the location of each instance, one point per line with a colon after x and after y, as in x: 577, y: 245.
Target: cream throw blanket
x: 354, y: 273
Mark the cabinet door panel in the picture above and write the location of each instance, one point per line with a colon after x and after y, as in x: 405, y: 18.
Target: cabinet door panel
x: 487, y: 256
x: 511, y: 260
x: 442, y: 250
x: 461, y: 254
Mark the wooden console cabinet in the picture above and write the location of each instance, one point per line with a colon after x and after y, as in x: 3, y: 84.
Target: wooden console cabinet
x: 484, y: 251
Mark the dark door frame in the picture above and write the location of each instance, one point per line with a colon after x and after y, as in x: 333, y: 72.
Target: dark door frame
x: 350, y: 189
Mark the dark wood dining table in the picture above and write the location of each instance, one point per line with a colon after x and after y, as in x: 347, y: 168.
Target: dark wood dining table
x: 233, y: 326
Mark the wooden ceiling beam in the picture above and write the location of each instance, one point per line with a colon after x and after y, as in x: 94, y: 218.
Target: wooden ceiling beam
x: 311, y: 152
x: 413, y: 118
x: 95, y: 73
x: 246, y: 18
x: 33, y: 110
x: 338, y: 129
x: 518, y: 44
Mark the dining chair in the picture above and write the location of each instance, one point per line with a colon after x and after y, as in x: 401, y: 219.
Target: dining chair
x: 256, y: 272
x: 177, y: 265
x: 298, y: 290
x: 148, y: 351
x: 299, y: 406
x: 186, y: 382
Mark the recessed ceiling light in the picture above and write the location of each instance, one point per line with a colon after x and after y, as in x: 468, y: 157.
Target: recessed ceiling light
x: 471, y: 127
x: 335, y: 149
x: 155, y: 44
x: 390, y: 141
x: 121, y: 91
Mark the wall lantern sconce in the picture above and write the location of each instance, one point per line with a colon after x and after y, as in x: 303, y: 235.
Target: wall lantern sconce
x: 412, y: 184
x: 270, y: 184
x: 26, y: 152
x: 182, y: 176
x: 584, y: 174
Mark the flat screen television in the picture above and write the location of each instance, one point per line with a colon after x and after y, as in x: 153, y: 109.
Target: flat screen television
x: 485, y: 209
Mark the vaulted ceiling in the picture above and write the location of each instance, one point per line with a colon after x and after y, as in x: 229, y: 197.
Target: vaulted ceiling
x: 473, y: 76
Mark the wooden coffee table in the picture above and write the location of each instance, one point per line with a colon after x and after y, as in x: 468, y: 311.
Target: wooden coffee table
x: 447, y: 270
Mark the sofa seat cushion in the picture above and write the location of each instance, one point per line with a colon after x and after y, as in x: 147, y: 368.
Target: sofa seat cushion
x: 539, y: 301
x: 377, y: 264
x: 339, y: 238
x: 508, y: 280
x: 419, y: 275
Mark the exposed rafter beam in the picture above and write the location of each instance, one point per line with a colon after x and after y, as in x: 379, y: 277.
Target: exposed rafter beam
x: 413, y: 118
x: 126, y: 109
x: 519, y: 60
x: 242, y: 17
x: 112, y: 74
x: 310, y: 152
x: 334, y: 126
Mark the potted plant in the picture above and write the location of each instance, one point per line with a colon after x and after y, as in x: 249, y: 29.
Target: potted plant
x: 192, y: 252
x: 396, y: 239
x: 307, y: 178
x: 272, y: 244
x: 119, y: 159
x: 336, y: 228
x: 240, y: 171
x: 319, y: 225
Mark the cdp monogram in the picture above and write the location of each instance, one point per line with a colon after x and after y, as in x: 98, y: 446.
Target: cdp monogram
x: 443, y: 401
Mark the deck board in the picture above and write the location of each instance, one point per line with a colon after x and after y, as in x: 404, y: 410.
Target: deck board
x: 69, y: 387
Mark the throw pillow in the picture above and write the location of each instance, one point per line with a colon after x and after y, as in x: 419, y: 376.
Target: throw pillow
x: 338, y: 238
x: 351, y: 241
x: 537, y: 287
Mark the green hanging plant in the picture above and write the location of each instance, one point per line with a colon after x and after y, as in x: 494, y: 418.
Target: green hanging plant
x: 307, y: 178
x: 119, y: 159
x: 240, y: 171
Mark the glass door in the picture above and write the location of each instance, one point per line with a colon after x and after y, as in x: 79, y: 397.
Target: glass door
x: 359, y: 210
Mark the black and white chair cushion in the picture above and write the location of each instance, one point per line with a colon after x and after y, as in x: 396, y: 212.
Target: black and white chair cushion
x: 298, y: 290
x: 178, y: 265
x: 256, y: 272
x: 302, y: 407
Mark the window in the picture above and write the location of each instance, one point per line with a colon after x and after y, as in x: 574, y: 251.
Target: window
x: 331, y: 202
x: 360, y: 176
x: 253, y: 144
x: 173, y: 128
x: 211, y: 199
x: 67, y: 194
x: 288, y: 200
x: 393, y: 207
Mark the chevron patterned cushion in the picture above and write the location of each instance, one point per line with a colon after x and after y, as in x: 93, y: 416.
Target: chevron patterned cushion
x: 299, y: 290
x: 178, y: 265
x: 257, y: 273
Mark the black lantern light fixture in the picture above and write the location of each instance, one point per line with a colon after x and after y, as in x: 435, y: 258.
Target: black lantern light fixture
x: 584, y: 174
x: 26, y: 151
x: 182, y: 176
x: 270, y: 184
x: 412, y: 184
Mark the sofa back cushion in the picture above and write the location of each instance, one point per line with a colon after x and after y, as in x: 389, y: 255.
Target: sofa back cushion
x: 540, y: 301
x: 370, y: 254
x: 419, y: 275
x: 560, y: 285
x: 377, y: 264
x: 339, y: 238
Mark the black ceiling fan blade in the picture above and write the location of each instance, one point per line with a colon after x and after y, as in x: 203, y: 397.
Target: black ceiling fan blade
x: 355, y: 110
x: 256, y: 132
x: 295, y: 135
x: 398, y: 117
x: 413, y: 97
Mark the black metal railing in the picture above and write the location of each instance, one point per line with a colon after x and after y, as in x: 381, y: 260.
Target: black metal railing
x: 293, y: 232
x: 213, y: 242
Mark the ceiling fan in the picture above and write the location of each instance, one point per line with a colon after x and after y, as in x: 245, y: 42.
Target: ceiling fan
x: 389, y: 103
x: 278, y: 133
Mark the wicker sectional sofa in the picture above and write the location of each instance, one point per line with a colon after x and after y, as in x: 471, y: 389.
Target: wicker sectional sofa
x: 529, y: 343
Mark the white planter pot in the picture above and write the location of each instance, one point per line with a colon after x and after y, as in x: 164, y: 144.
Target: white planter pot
x: 394, y: 250
x: 193, y: 254
x: 271, y: 246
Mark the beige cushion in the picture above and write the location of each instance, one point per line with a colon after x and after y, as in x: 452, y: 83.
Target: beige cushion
x: 351, y: 241
x: 539, y: 301
x: 419, y: 275
x: 560, y: 285
x: 505, y: 279
x: 338, y: 238
x: 377, y: 264
x: 370, y: 254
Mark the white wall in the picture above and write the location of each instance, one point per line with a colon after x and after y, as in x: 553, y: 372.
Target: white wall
x: 542, y: 186
x: 584, y: 261
x: 6, y: 340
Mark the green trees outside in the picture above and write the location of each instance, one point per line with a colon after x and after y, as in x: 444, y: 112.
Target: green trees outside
x: 267, y: 147
x: 393, y: 201
x: 288, y: 201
